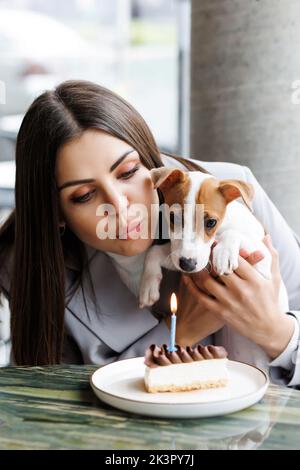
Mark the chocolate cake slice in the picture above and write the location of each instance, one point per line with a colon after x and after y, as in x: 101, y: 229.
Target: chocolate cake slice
x: 190, y: 368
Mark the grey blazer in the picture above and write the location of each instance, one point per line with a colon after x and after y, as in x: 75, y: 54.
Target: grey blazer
x: 107, y: 325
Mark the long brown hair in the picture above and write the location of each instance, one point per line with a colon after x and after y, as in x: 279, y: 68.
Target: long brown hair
x: 31, y: 233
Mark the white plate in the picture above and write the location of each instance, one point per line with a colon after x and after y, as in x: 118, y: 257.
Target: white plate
x: 121, y: 385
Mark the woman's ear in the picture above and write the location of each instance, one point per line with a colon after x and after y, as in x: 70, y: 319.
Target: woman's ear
x: 164, y: 178
x: 232, y: 189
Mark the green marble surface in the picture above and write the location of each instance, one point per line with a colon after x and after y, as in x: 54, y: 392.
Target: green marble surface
x: 55, y: 408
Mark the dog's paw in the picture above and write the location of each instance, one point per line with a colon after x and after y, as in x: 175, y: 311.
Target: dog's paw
x: 225, y: 259
x: 149, y: 290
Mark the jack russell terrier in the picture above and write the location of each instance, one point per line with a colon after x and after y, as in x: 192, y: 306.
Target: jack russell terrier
x: 204, y: 210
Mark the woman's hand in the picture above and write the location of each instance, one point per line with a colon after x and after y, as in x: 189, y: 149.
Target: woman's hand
x: 195, y: 319
x: 247, y: 302
x: 194, y: 322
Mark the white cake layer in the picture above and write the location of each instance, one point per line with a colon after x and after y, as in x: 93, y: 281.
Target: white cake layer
x: 187, y: 373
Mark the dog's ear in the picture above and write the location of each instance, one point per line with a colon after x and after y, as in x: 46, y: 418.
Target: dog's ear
x: 164, y: 178
x: 232, y: 189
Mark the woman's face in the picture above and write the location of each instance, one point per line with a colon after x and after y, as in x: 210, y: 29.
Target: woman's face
x: 89, y: 173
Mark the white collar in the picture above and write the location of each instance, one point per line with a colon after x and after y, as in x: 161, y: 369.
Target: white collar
x: 131, y: 264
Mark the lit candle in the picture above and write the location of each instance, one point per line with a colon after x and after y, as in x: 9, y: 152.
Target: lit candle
x: 173, y: 303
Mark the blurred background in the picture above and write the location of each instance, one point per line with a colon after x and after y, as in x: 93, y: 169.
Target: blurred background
x: 128, y: 46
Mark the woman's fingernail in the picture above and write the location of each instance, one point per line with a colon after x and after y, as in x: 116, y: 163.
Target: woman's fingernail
x: 244, y: 253
x: 258, y: 256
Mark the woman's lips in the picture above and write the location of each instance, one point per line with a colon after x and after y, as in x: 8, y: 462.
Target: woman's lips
x: 135, y: 228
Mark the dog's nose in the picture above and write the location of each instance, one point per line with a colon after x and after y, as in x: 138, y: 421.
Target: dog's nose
x: 187, y: 264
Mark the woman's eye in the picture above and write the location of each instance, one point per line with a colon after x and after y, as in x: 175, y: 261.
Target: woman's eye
x: 86, y: 197
x: 210, y: 223
x: 127, y: 174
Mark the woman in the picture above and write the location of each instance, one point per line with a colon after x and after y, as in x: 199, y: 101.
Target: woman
x: 72, y: 294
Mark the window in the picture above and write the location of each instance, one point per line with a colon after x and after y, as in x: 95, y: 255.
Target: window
x: 129, y: 46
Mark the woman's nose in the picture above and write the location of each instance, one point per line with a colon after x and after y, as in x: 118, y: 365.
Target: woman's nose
x: 122, y: 207
x: 120, y: 204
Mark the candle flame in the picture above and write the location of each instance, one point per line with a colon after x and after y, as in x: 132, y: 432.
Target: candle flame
x: 173, y: 303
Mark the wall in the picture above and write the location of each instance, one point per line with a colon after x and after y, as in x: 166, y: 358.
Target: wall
x: 245, y: 56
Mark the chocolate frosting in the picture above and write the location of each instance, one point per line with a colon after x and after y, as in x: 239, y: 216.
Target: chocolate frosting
x: 156, y: 356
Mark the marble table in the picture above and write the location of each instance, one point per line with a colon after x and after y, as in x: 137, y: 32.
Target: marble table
x: 55, y: 408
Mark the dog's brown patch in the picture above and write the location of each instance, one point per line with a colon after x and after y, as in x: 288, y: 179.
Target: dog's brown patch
x: 214, y: 205
x: 174, y: 184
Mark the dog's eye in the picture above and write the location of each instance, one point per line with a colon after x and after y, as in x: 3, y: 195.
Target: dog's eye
x: 210, y: 223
